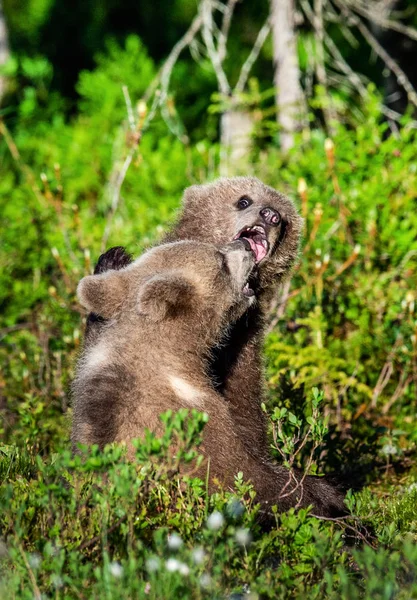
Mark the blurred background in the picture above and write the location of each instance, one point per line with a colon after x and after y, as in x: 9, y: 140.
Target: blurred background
x: 110, y: 109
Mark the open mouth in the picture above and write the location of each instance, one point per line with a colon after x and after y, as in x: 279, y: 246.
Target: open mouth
x: 256, y: 236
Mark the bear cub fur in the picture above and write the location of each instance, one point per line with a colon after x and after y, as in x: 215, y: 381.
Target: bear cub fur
x: 163, y: 314
x: 217, y: 213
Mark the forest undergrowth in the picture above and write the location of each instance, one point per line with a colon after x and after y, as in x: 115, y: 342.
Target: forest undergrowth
x: 340, y: 355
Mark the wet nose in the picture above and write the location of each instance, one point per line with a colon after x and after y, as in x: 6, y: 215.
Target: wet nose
x: 270, y: 216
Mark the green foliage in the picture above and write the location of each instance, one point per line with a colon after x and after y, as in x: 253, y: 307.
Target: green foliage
x: 293, y: 436
x: 353, y: 304
x: 120, y: 529
x: 97, y: 526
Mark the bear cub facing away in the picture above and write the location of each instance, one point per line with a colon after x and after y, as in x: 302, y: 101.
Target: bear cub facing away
x: 164, y: 313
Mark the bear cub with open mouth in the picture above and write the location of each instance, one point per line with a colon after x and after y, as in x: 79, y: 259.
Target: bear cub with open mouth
x: 218, y: 213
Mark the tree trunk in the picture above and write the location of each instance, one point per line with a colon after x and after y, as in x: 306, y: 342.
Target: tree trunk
x: 4, y: 49
x: 236, y: 128
x: 289, y: 96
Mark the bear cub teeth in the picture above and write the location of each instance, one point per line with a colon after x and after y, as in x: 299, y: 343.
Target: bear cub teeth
x: 256, y: 237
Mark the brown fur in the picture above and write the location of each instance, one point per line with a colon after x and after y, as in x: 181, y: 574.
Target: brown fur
x: 210, y: 213
x: 165, y: 312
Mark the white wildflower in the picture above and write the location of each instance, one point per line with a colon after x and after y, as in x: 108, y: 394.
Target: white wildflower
x: 152, y: 564
x: 56, y: 581
x: 172, y: 565
x: 174, y: 541
x: 205, y: 580
x: 215, y: 521
x: 184, y: 569
x: 35, y: 560
x: 389, y: 449
x: 116, y: 569
x: 243, y: 537
x: 198, y: 555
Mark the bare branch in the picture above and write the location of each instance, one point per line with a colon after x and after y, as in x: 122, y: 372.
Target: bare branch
x: 36, y: 591
x: 333, y: 17
x: 380, y: 20
x: 116, y: 197
x: 4, y: 48
x: 318, y: 24
x: 207, y: 32
x: 353, y: 77
x: 129, y: 108
x: 225, y: 28
x: 404, y: 381
x: 386, y: 372
x: 254, y: 53
x: 366, y: 538
x: 380, y: 51
x: 319, y: 29
x: 163, y: 78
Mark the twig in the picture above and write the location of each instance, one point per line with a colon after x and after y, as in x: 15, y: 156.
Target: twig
x: 129, y: 108
x: 116, y: 196
x: 353, y: 77
x: 163, y: 78
x: 372, y: 15
x: 342, y: 521
x: 402, y: 384
x: 328, y: 112
x: 27, y: 172
x: 253, y: 55
x: 386, y: 373
x: 207, y: 32
x: 381, y: 52
x: 224, y: 31
x: 334, y: 17
x: 97, y: 538
x: 6, y: 330
x: 36, y: 591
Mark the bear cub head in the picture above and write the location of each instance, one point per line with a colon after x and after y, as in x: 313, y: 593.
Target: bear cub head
x: 201, y: 285
x: 244, y: 208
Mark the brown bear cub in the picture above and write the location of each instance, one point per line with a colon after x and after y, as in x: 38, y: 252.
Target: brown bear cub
x: 165, y: 312
x: 219, y: 212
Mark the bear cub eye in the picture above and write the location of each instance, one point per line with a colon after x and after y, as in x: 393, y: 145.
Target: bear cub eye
x: 244, y: 202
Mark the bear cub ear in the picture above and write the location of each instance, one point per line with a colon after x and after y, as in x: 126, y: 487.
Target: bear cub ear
x: 103, y: 294
x: 165, y: 296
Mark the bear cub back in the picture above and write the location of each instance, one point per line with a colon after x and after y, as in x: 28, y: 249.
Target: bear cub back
x: 164, y: 313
